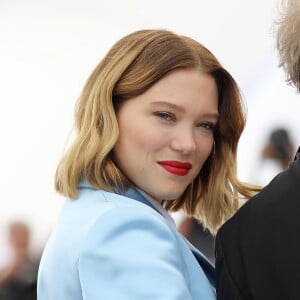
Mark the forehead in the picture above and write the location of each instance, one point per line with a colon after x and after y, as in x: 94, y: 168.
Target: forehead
x: 183, y: 87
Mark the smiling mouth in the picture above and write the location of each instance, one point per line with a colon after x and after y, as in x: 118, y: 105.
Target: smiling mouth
x: 176, y: 167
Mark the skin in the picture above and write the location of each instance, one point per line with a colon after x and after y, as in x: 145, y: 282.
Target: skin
x: 172, y: 121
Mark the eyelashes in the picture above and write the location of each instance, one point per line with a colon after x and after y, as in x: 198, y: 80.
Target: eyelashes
x: 165, y: 116
x: 207, y: 125
x: 168, y: 117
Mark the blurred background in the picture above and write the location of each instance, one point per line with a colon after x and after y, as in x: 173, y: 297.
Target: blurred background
x: 48, y: 49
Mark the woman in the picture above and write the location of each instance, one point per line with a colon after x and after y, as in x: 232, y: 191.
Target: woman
x: 158, y: 124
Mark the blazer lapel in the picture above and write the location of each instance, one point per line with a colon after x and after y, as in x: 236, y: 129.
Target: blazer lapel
x: 205, y: 264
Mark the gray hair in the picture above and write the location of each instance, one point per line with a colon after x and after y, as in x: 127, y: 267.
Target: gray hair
x: 288, y: 41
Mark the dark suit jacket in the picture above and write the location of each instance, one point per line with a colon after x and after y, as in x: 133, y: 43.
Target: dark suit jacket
x: 258, y: 249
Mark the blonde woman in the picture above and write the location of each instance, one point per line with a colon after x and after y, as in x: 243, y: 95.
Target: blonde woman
x: 157, y: 128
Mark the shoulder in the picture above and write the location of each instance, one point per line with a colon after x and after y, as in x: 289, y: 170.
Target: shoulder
x: 258, y: 223
x: 97, y: 203
x: 122, y: 222
x: 280, y: 195
x: 100, y: 212
x: 97, y: 217
x: 128, y: 221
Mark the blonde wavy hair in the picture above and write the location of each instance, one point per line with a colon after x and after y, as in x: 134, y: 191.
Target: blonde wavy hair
x: 131, y: 67
x: 288, y: 41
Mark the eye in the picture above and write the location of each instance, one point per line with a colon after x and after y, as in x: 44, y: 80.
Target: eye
x: 207, y: 125
x: 165, y: 116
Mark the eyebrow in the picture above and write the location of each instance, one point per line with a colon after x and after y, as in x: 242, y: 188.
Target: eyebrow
x: 168, y: 105
x: 181, y: 109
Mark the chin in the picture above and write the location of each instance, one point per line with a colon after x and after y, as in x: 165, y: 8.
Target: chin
x: 170, y: 196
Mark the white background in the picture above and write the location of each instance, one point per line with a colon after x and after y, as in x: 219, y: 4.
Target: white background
x: 48, y: 48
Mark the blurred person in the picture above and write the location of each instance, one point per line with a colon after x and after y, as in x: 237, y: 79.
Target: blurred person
x: 257, y: 251
x: 276, y: 155
x: 200, y: 237
x: 157, y: 128
x: 18, y: 277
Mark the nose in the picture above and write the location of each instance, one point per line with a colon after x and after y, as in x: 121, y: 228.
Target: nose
x: 184, y: 141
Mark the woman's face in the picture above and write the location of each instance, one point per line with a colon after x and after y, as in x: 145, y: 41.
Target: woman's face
x: 166, y: 134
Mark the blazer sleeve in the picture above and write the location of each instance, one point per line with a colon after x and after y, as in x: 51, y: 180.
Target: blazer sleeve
x: 131, y: 253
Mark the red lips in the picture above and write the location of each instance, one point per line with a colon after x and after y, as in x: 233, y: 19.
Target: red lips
x: 176, y: 167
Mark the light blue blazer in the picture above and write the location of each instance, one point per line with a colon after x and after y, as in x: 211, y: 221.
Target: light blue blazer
x: 109, y: 246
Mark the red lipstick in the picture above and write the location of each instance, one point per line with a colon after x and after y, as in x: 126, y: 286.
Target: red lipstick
x: 176, y: 167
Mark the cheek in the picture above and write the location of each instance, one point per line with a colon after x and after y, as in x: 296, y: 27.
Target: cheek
x: 140, y: 138
x: 205, y: 148
x: 148, y: 139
